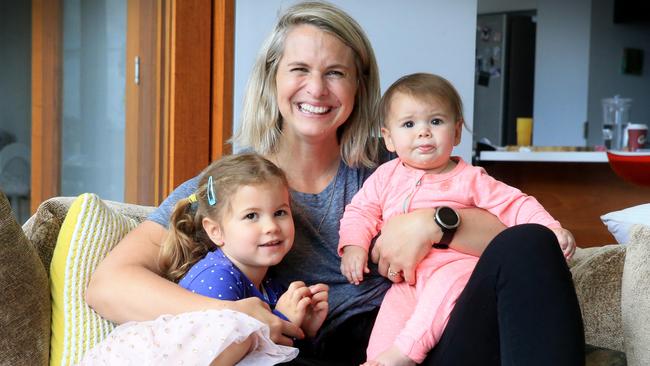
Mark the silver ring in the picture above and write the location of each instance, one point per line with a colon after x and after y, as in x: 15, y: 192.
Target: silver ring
x: 392, y: 273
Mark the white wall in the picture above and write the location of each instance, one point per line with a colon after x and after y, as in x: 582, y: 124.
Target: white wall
x: 418, y: 35
x: 561, y: 72
x: 605, y: 76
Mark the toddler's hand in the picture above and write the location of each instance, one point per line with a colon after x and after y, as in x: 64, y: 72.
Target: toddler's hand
x: 566, y: 240
x: 317, y: 309
x: 294, y: 302
x: 354, y: 263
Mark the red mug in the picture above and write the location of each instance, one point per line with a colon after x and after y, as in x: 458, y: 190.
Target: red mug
x: 637, y: 135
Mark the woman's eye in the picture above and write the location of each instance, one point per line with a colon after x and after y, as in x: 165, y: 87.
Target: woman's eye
x: 251, y: 216
x: 437, y: 121
x: 408, y: 124
x: 299, y: 69
x: 335, y: 73
x: 281, y: 213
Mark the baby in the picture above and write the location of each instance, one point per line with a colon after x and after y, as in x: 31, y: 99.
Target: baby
x: 421, y: 117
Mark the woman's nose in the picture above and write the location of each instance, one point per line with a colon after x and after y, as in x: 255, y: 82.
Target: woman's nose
x: 316, y: 85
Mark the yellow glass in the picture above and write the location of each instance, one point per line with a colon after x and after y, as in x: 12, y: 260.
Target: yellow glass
x: 524, y: 131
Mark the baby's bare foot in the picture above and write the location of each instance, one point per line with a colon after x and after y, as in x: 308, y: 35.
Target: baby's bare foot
x: 391, y: 357
x: 371, y: 363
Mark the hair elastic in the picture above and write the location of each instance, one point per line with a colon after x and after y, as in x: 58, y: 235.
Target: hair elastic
x: 192, y: 198
x: 212, y: 199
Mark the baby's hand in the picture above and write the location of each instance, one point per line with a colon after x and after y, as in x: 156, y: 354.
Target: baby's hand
x: 294, y: 302
x: 567, y: 242
x: 354, y: 263
x: 317, y: 309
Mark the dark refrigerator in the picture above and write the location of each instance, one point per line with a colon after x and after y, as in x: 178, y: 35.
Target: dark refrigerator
x: 505, y: 75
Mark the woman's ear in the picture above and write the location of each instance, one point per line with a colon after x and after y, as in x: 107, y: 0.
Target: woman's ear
x: 213, y: 229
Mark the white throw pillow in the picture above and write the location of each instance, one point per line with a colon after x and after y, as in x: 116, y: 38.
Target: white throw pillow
x: 620, y: 222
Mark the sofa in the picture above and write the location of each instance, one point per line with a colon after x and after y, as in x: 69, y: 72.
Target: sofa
x: 612, y: 283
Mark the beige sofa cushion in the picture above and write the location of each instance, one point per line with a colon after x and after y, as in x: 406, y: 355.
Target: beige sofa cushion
x: 597, y: 276
x: 635, y: 303
x: 42, y: 229
x: 24, y: 296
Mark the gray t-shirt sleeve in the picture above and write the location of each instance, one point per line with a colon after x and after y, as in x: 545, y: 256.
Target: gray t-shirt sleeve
x: 162, y: 214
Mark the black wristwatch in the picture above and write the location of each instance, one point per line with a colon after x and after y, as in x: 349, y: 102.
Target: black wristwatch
x: 448, y: 220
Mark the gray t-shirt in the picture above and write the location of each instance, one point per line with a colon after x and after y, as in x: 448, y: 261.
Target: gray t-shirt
x: 314, y: 256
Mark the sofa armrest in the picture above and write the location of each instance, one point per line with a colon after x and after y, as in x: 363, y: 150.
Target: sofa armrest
x: 597, y: 276
x: 42, y: 229
x: 635, y: 300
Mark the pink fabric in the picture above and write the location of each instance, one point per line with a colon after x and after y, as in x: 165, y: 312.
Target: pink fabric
x: 194, y: 338
x: 413, y: 318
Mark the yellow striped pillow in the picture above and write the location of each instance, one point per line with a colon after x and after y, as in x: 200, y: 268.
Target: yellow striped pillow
x: 90, y: 230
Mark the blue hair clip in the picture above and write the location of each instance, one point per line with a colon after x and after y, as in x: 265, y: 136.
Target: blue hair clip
x: 212, y: 199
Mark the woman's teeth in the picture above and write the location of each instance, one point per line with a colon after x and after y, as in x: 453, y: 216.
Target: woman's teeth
x: 313, y: 109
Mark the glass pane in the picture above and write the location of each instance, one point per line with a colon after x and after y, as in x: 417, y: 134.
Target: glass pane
x: 94, y: 52
x: 15, y: 104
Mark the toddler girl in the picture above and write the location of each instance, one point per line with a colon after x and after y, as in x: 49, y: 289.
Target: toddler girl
x: 222, y: 240
x: 421, y: 117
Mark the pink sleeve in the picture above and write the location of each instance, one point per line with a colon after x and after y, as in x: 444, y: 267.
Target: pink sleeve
x: 508, y: 203
x: 362, y: 218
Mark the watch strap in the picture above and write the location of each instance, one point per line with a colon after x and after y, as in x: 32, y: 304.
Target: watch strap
x: 447, y: 235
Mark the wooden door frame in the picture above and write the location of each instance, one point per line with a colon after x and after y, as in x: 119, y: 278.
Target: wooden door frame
x: 201, y: 86
x: 223, y: 71
x: 47, y: 67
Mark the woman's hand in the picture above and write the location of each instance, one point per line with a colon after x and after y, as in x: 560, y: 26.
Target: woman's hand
x: 404, y: 241
x: 317, y: 310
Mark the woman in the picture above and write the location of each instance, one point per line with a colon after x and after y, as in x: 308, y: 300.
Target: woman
x: 310, y: 108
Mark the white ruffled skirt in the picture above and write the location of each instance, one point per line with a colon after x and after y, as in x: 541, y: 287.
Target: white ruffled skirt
x: 194, y: 338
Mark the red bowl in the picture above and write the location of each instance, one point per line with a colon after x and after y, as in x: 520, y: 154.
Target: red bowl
x: 634, y: 167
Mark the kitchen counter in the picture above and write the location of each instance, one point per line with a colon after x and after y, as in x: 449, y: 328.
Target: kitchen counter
x: 545, y: 156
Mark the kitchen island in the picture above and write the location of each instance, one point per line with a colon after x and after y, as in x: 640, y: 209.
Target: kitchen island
x: 576, y: 187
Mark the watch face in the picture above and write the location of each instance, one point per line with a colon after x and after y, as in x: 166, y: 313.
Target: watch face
x: 448, y: 217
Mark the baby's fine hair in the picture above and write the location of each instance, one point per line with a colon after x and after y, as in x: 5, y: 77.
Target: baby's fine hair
x: 261, y: 122
x: 187, y: 241
x: 422, y: 86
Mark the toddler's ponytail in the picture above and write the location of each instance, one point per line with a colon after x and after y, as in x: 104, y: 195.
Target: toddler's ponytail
x: 186, y: 242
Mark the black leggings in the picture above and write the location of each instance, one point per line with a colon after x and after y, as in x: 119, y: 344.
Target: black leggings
x: 519, y: 308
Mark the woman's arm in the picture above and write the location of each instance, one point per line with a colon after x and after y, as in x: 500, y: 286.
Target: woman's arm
x: 127, y: 286
x: 406, y: 239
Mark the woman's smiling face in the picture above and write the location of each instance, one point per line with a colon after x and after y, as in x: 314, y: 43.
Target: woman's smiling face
x: 316, y: 83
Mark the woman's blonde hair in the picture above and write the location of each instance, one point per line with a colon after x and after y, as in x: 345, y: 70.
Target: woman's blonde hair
x: 261, y: 122
x: 187, y: 241
x: 423, y: 86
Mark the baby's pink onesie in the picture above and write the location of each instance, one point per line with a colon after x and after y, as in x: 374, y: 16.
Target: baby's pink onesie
x: 414, y: 317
